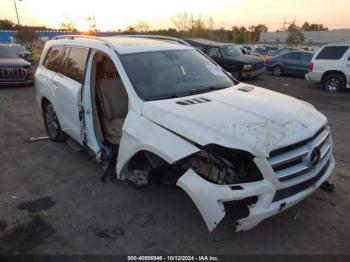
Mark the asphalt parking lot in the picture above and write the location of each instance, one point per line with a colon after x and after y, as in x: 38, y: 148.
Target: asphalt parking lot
x: 52, y: 200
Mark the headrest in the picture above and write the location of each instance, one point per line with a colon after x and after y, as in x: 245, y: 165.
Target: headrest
x: 108, y: 66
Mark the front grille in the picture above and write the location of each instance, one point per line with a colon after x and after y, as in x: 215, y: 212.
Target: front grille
x: 293, y: 190
x: 297, y: 159
x: 13, y: 74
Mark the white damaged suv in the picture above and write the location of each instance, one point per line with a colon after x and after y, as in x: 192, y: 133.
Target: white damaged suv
x: 158, y: 109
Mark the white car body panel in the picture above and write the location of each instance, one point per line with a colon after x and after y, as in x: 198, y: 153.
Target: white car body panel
x: 68, y: 98
x: 257, y: 121
x: 140, y: 134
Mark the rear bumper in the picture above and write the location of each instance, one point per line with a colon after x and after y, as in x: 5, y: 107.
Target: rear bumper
x: 210, y: 198
x: 252, y: 74
x: 313, y: 77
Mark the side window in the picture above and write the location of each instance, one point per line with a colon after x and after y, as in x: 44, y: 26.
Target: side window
x: 332, y: 52
x: 52, y: 60
x: 306, y: 57
x: 214, y: 52
x: 294, y: 56
x: 76, y: 62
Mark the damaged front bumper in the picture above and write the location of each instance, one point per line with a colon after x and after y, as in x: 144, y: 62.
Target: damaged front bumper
x: 271, y: 197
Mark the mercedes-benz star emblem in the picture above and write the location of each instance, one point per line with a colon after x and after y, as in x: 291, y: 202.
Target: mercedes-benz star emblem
x: 315, y: 157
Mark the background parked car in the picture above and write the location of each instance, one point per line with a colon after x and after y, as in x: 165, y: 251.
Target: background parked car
x: 259, y: 51
x: 13, y: 69
x: 24, y: 53
x: 331, y: 67
x: 281, y: 51
x: 290, y: 63
x: 230, y: 57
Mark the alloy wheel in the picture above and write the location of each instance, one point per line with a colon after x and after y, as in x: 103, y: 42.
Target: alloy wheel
x: 333, y: 85
x: 51, y: 121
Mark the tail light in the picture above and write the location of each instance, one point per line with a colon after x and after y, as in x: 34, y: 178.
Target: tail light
x: 310, y: 67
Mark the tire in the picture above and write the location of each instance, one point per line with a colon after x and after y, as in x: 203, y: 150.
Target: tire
x: 333, y: 83
x: 52, y: 125
x: 277, y: 70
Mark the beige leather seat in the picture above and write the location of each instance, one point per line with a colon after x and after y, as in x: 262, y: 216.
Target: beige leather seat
x: 113, y: 101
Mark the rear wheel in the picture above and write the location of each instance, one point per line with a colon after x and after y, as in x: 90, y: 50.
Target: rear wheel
x: 333, y: 83
x: 52, y: 125
x: 277, y: 70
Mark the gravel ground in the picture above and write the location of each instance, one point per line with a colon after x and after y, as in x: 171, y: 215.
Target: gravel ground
x: 52, y: 200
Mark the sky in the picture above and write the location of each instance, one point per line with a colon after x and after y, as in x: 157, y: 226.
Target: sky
x: 118, y: 14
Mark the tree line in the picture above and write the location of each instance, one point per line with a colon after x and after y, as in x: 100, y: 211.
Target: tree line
x: 185, y: 25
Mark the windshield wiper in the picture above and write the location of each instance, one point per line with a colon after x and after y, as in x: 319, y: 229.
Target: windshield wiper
x: 161, y: 97
x: 207, y: 89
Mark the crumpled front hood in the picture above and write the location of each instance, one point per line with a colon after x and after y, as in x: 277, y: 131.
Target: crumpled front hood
x: 257, y: 121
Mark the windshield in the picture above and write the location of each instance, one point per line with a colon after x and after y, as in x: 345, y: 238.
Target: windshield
x: 174, y: 73
x: 230, y: 51
x: 7, y: 52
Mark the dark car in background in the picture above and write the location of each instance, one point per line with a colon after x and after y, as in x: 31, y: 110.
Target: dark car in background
x: 230, y: 57
x: 13, y: 68
x: 23, y: 52
x: 289, y: 63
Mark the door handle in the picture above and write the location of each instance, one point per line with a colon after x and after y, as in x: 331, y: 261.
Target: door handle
x: 55, y: 85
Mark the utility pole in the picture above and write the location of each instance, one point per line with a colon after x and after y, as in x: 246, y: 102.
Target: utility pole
x: 14, y: 1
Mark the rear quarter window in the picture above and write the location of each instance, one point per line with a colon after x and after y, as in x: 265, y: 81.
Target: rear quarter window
x: 76, y: 63
x: 52, y: 60
x: 306, y: 57
x: 332, y: 52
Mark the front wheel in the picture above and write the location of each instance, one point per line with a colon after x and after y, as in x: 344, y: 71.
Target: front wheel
x: 333, y: 83
x: 52, y: 125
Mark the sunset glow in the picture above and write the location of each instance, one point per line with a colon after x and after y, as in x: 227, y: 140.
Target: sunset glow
x: 114, y: 15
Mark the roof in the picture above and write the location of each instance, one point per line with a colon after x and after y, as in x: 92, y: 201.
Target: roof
x: 200, y: 41
x: 125, y: 45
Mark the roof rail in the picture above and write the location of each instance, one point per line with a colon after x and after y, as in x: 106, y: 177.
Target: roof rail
x: 158, y: 37
x: 72, y: 37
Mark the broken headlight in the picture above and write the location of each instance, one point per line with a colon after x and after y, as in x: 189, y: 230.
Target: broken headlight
x: 225, y: 166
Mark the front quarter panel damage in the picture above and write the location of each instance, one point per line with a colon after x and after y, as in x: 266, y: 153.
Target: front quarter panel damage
x: 209, y: 197
x: 140, y: 134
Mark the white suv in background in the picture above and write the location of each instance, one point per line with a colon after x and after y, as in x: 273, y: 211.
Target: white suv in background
x: 158, y: 110
x: 330, y: 66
